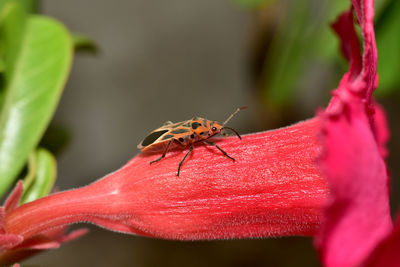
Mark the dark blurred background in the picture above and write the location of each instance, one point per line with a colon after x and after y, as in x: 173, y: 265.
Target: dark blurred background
x: 171, y: 60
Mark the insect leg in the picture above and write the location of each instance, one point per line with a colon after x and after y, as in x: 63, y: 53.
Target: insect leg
x: 165, y: 152
x: 180, y: 164
x: 220, y: 149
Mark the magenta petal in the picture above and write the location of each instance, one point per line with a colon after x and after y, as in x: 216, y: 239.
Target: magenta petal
x: 381, y: 129
x: 354, y: 137
x: 364, y: 10
x: 358, y: 216
x: 387, y: 253
x: 350, y: 45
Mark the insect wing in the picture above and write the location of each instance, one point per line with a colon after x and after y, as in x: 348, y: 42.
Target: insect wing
x: 164, y: 133
x: 151, y: 138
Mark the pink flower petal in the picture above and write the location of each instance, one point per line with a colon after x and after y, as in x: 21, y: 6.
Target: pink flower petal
x: 387, y: 253
x: 364, y: 10
x: 358, y: 216
x: 350, y: 45
x: 381, y: 129
x: 354, y: 136
x: 274, y: 188
x: 15, y: 247
x: 14, y: 198
x: 8, y: 241
x: 2, y: 216
x: 36, y: 244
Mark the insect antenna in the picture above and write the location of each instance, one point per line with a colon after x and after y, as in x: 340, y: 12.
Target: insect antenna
x: 229, y: 128
x: 231, y: 116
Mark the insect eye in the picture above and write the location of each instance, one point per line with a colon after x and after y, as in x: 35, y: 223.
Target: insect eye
x: 213, y: 129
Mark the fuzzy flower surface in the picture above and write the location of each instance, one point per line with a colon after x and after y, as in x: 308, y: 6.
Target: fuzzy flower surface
x: 273, y: 189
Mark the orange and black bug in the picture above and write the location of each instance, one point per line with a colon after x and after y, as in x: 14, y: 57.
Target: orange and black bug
x: 185, y: 133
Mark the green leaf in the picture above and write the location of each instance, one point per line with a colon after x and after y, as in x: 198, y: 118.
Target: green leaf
x: 36, y: 72
x: 30, y: 6
x: 388, y: 40
x: 253, y: 3
x: 286, y: 55
x: 303, y: 36
x: 13, y: 19
x: 380, y: 7
x: 84, y: 43
x: 41, y: 175
x: 2, y: 65
x: 3, y: 4
x: 31, y: 172
x: 12, y: 24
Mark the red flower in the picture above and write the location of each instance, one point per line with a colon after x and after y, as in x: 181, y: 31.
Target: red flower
x: 357, y: 217
x: 14, y: 247
x: 275, y: 187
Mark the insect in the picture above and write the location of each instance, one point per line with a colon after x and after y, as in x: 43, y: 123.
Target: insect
x: 185, y: 133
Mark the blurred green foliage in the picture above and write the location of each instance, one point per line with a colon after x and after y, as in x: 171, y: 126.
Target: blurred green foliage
x: 253, y: 3
x: 296, y: 45
x: 84, y: 43
x: 388, y: 40
x: 302, y: 36
x: 35, y: 54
